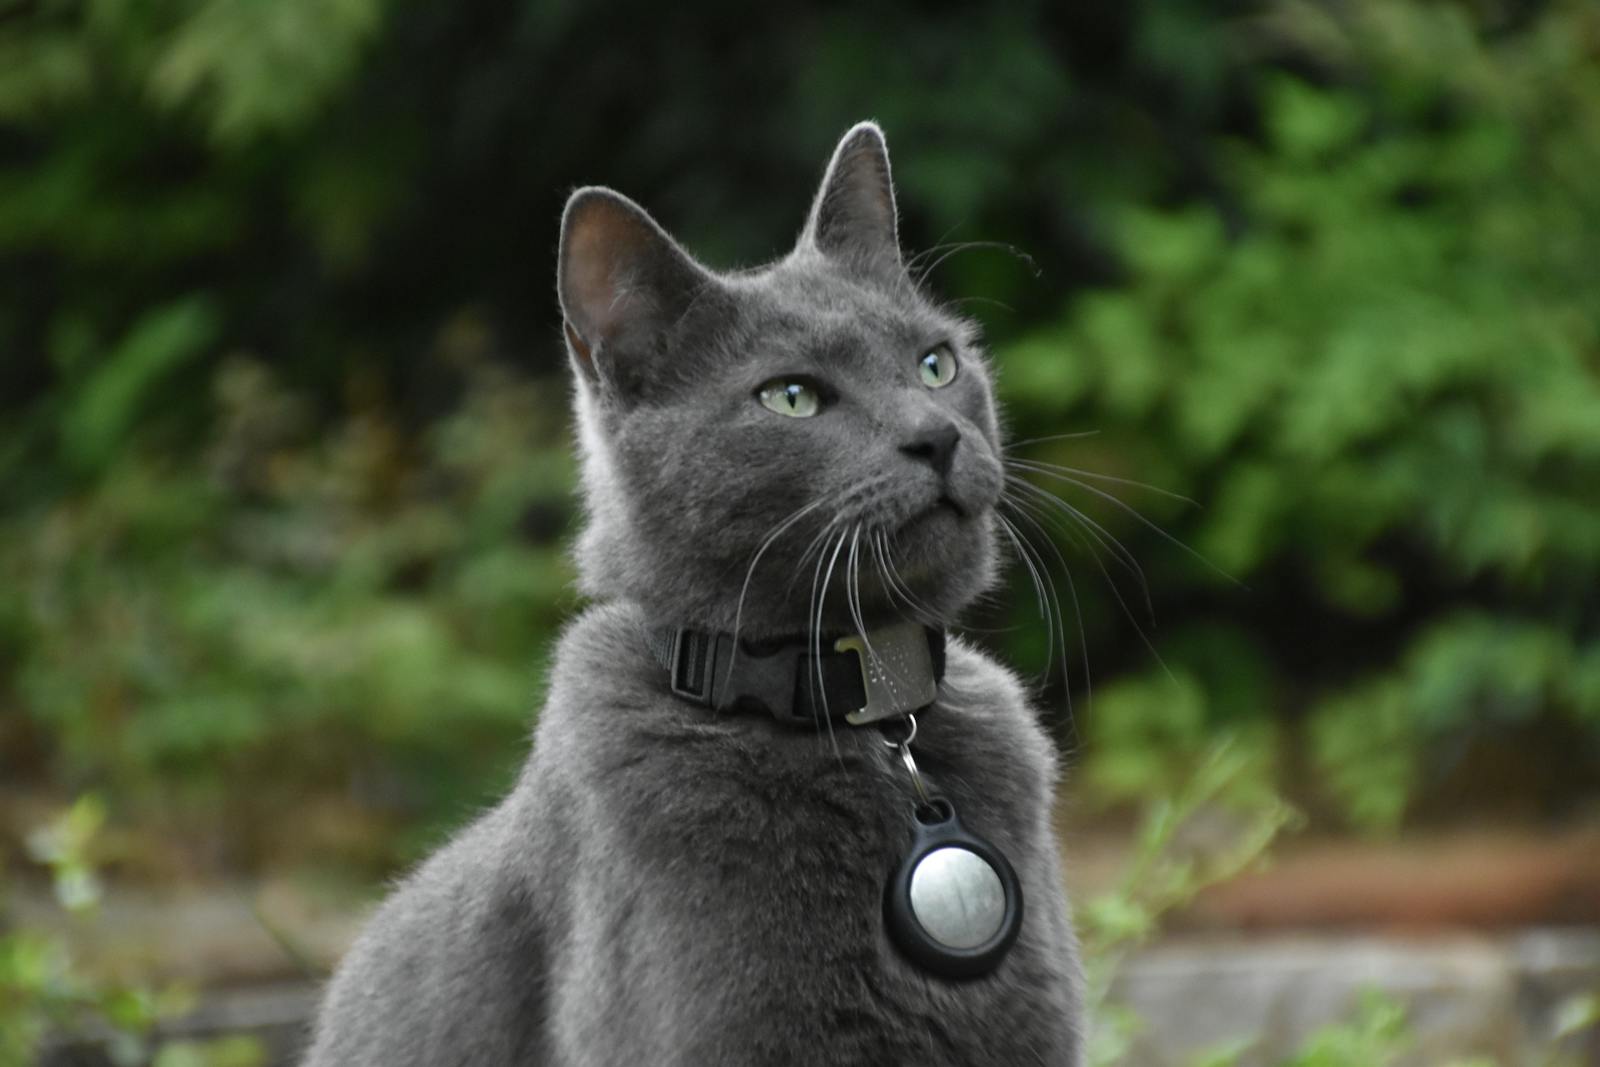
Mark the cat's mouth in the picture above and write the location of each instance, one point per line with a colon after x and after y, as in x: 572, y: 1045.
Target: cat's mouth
x: 946, y: 505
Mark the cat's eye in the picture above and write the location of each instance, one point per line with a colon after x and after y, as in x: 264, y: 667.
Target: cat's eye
x: 937, y: 366
x: 786, y: 396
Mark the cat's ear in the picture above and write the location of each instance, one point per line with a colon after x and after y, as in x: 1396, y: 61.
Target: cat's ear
x: 620, y: 277
x: 853, y: 216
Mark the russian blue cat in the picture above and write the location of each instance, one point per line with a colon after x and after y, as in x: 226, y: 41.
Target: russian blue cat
x: 792, y: 453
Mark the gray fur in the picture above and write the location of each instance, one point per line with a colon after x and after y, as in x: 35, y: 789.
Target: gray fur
x: 669, y: 886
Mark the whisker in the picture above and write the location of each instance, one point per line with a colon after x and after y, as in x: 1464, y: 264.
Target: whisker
x: 812, y: 610
x: 853, y: 597
x: 1057, y: 470
x: 1038, y: 585
x: 1115, y: 592
x: 1077, y: 608
x: 965, y: 246
x: 755, y: 559
x: 816, y: 641
x: 852, y: 590
x: 890, y: 592
x: 1088, y: 535
x: 813, y: 545
x: 918, y: 606
x: 1156, y: 529
x: 938, y: 246
x: 929, y: 615
x: 1013, y: 445
x: 1105, y: 538
x: 889, y: 589
x: 1060, y: 632
x: 962, y: 301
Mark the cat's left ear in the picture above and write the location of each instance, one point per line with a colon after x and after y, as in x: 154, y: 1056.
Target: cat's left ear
x: 853, y: 217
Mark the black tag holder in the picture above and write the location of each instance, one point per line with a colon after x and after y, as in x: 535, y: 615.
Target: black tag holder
x: 938, y: 827
x: 953, y: 905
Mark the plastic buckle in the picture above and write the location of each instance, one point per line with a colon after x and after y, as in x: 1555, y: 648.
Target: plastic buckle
x: 896, y: 671
x: 690, y: 674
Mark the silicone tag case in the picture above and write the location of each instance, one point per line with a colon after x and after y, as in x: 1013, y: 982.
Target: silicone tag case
x: 954, y: 904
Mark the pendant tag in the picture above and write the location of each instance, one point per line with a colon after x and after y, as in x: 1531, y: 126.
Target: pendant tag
x: 954, y: 905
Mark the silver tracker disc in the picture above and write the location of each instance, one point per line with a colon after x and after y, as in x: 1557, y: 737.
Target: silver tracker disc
x: 957, y: 897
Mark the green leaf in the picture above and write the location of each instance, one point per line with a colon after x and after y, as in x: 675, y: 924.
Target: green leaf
x: 107, y: 404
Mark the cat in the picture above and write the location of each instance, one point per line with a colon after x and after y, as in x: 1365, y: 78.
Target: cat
x: 808, y: 448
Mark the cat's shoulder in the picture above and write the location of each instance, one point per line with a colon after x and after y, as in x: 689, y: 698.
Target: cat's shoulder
x: 987, y: 710
x: 981, y: 684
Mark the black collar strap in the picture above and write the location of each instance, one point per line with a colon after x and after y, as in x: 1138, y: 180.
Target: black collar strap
x: 864, y: 678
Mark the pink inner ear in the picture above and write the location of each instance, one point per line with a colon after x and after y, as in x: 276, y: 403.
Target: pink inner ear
x: 860, y: 194
x: 598, y: 238
x: 607, y: 252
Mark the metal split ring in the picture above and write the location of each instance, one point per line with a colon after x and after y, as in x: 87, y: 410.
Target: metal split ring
x: 916, y: 775
x: 903, y: 746
x: 911, y: 734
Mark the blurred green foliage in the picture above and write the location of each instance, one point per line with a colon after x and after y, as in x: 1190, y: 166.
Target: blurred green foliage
x: 285, y: 478
x: 45, y: 994
x: 1169, y: 865
x: 289, y: 611
x: 1383, y: 381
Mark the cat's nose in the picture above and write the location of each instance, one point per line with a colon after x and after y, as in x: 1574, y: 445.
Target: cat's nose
x: 935, y: 444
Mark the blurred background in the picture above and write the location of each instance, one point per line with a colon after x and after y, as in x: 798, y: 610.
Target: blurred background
x: 286, y: 483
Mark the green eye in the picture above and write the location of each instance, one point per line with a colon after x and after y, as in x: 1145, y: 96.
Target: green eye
x: 795, y: 399
x: 938, y: 367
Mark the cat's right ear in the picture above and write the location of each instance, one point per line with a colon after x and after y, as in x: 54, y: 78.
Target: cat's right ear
x: 621, y: 281
x: 853, y: 216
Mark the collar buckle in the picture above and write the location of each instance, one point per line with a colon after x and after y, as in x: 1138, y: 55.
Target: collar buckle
x: 897, y: 671
x: 692, y: 665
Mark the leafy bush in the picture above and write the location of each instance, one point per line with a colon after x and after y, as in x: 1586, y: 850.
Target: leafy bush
x: 1374, y: 362
x: 45, y: 995
x: 299, y: 613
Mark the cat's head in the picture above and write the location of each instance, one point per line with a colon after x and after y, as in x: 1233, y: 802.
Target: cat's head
x: 812, y: 435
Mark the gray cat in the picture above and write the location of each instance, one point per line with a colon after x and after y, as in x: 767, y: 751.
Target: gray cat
x: 790, y: 453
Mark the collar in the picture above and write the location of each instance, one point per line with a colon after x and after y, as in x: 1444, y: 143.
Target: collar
x: 858, y: 678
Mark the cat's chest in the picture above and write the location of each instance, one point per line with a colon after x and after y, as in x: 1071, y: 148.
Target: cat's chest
x: 742, y: 802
